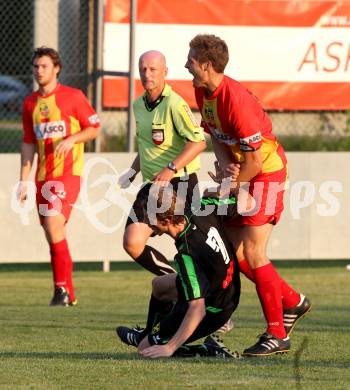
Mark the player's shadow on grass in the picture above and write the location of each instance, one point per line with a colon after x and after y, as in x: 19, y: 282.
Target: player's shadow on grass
x: 107, y: 356
x: 110, y: 356
x: 270, y: 361
x: 69, y: 355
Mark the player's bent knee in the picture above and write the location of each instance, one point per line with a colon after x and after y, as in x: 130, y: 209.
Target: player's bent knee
x: 164, y: 287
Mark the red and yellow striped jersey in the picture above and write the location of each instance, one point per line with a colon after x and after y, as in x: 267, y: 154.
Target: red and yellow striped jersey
x: 47, y: 120
x: 233, y: 115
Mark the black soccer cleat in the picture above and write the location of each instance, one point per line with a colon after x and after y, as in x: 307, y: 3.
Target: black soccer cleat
x: 216, y: 348
x: 60, y: 297
x: 291, y: 316
x: 268, y: 345
x: 130, y: 336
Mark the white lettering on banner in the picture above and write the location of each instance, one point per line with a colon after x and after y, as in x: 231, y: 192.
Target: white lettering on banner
x: 48, y: 130
x: 279, y: 51
x: 215, y: 242
x: 335, y: 20
x: 335, y: 57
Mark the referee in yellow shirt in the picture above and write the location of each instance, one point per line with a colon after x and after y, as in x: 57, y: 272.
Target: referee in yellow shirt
x: 169, y: 143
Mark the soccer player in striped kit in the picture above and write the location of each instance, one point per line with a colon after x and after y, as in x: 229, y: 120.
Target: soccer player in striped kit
x: 241, y: 132
x: 57, y: 121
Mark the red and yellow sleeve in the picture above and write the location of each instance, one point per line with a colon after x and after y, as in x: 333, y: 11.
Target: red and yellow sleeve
x: 247, y: 125
x: 85, y: 114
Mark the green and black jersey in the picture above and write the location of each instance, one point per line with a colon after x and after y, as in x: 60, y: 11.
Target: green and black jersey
x: 205, y: 262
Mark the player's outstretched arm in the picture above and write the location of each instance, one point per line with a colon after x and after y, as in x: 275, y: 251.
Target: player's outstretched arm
x: 194, y: 315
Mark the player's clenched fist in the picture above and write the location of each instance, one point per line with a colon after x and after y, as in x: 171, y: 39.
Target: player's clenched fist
x: 221, y: 173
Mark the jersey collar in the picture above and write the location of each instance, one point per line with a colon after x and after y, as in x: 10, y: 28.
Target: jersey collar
x: 153, y: 105
x: 167, y: 90
x: 58, y: 85
x: 218, y: 89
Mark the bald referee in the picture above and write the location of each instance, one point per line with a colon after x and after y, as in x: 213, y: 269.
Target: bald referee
x: 169, y: 143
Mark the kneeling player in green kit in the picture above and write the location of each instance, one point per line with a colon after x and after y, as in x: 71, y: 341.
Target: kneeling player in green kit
x: 205, y: 289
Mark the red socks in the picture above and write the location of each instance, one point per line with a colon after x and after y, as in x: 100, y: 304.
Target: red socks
x: 246, y: 270
x: 58, y: 263
x: 290, y: 297
x: 268, y: 287
x: 62, y: 266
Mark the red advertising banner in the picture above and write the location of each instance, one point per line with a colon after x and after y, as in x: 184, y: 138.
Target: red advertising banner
x: 293, y: 55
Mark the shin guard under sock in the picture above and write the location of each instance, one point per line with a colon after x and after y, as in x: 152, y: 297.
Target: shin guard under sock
x: 58, y: 254
x: 290, y: 297
x: 268, y: 287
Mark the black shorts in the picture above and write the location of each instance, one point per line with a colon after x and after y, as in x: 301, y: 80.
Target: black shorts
x: 163, y: 331
x: 137, y: 214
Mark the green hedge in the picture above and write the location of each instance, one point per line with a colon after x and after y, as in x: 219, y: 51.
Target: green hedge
x: 114, y: 143
x: 291, y: 143
x: 10, y: 142
x: 305, y: 143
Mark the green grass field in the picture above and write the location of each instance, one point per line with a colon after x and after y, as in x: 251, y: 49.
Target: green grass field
x: 45, y: 347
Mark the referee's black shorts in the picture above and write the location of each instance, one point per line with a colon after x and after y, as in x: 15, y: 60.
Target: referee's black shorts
x: 192, y: 195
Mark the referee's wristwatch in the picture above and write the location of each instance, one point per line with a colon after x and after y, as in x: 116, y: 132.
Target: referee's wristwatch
x: 172, y: 166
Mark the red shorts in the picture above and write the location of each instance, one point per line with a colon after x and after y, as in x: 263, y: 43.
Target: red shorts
x: 267, y: 190
x: 57, y: 196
